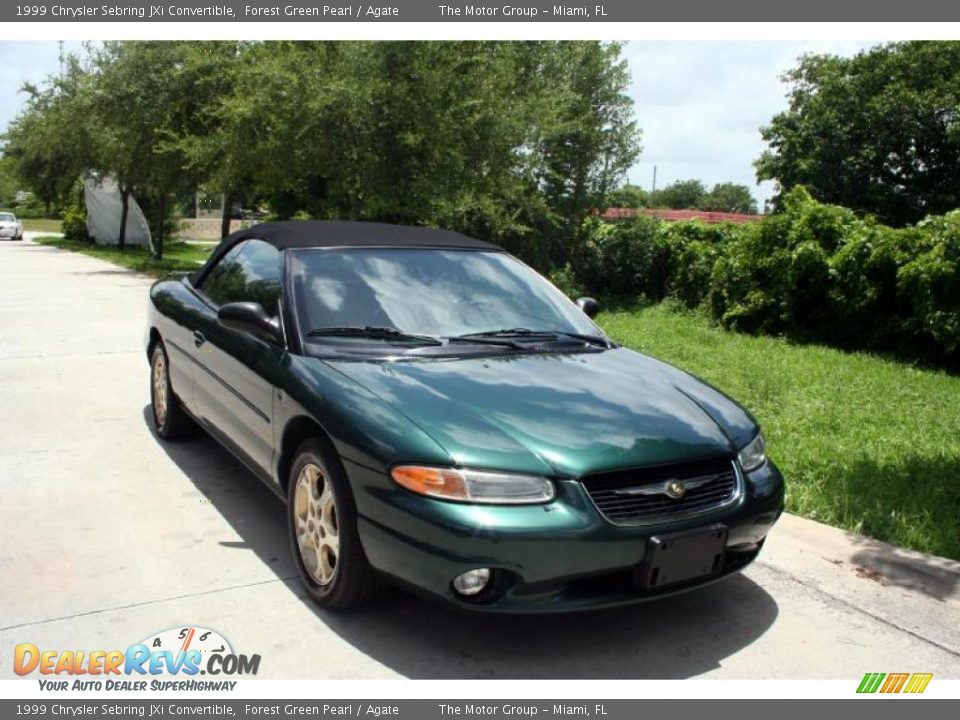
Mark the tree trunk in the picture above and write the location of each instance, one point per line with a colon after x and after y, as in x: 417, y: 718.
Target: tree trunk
x: 225, y: 218
x: 354, y: 203
x: 161, y: 226
x: 124, y: 211
x: 353, y: 183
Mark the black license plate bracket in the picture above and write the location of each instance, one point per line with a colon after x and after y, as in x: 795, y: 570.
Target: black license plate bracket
x: 681, y: 557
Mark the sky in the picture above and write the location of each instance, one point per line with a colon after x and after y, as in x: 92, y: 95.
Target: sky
x: 22, y: 62
x: 700, y: 104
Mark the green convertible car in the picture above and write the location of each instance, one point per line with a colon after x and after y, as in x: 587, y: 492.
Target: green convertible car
x: 434, y: 412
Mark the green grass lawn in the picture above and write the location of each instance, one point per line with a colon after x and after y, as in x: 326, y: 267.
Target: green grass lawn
x: 865, y: 443
x: 40, y: 225
x: 176, y: 255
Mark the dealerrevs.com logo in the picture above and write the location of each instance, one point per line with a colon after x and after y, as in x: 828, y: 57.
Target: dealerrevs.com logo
x: 897, y: 682
x: 168, y: 660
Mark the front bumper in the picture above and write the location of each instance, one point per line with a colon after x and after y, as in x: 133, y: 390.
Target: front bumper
x: 561, y: 556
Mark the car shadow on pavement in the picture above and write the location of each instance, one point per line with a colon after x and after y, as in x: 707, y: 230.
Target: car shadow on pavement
x: 677, y: 637
x: 110, y: 272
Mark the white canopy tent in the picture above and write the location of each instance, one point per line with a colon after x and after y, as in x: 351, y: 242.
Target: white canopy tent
x: 104, y: 210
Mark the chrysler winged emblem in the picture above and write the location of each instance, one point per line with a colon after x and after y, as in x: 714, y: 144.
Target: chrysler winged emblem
x: 673, y: 488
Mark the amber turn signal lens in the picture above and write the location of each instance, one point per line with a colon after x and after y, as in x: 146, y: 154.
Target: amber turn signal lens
x: 475, y: 486
x: 437, y: 482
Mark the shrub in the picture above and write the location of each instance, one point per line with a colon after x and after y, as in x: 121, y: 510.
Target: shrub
x: 813, y: 271
x: 817, y: 271
x: 778, y: 277
x: 748, y: 282
x: 930, y: 284
x: 566, y: 281
x: 694, y: 249
x: 629, y: 259
x: 74, y: 223
x: 863, y: 299
x: 692, y: 266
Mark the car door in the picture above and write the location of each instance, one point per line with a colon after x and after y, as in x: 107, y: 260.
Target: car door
x: 233, y: 389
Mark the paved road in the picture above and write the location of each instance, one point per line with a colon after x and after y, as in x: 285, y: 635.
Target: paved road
x: 107, y: 535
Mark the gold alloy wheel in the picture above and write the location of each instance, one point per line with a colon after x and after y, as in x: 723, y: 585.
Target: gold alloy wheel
x: 315, y: 517
x: 160, y: 400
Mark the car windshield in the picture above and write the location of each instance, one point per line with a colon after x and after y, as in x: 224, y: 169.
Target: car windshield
x: 7, y: 217
x: 427, y: 292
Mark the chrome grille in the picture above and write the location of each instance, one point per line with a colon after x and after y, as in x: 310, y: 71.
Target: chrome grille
x: 640, y: 495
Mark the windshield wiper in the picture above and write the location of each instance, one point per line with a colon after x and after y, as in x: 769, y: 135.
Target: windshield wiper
x: 526, y: 333
x: 477, y: 339
x: 370, y: 331
x: 592, y: 339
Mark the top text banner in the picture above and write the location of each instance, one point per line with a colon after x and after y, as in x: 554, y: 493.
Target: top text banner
x: 453, y: 11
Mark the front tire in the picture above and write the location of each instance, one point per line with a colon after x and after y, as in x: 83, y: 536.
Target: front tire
x: 322, y: 518
x: 169, y: 418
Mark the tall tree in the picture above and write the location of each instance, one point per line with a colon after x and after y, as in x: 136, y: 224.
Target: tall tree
x: 729, y: 197
x: 291, y: 127
x: 50, y: 143
x: 145, y: 97
x: 9, y: 182
x: 680, y: 195
x: 465, y: 135
x: 628, y: 196
x: 516, y: 142
x: 879, y: 132
x: 460, y: 122
x: 593, y: 139
x: 224, y: 144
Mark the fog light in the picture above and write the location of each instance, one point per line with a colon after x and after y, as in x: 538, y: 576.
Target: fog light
x: 472, y: 581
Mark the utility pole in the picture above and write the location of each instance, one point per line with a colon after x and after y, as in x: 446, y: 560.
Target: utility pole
x: 653, y: 188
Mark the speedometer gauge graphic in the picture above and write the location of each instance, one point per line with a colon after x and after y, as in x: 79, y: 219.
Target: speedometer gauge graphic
x: 182, y: 639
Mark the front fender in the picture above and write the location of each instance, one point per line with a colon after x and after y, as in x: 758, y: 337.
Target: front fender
x: 364, y: 429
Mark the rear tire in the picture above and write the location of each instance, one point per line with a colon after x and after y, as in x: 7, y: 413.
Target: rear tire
x: 322, y: 517
x: 169, y: 418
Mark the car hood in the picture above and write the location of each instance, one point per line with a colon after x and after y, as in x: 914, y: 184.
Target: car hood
x: 564, y: 414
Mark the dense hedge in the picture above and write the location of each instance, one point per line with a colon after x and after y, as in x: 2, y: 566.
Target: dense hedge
x: 814, y: 272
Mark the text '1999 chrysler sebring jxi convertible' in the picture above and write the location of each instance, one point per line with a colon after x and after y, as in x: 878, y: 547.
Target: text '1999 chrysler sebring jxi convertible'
x: 436, y: 413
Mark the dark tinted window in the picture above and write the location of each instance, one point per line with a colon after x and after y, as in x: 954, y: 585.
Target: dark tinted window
x: 250, y: 272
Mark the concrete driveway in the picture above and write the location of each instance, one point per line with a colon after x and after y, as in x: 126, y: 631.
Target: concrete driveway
x: 108, y: 535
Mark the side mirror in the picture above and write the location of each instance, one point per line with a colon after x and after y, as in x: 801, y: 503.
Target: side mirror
x: 589, y: 306
x: 250, y: 317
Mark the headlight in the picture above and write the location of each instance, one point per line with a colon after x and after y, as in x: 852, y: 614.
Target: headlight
x: 754, y: 454
x: 474, y: 485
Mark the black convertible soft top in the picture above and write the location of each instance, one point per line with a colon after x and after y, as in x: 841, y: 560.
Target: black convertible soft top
x: 337, y: 233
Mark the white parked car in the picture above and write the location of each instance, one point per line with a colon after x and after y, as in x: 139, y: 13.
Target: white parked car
x: 10, y: 227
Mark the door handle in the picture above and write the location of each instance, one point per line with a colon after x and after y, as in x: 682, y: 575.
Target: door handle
x: 198, y: 338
